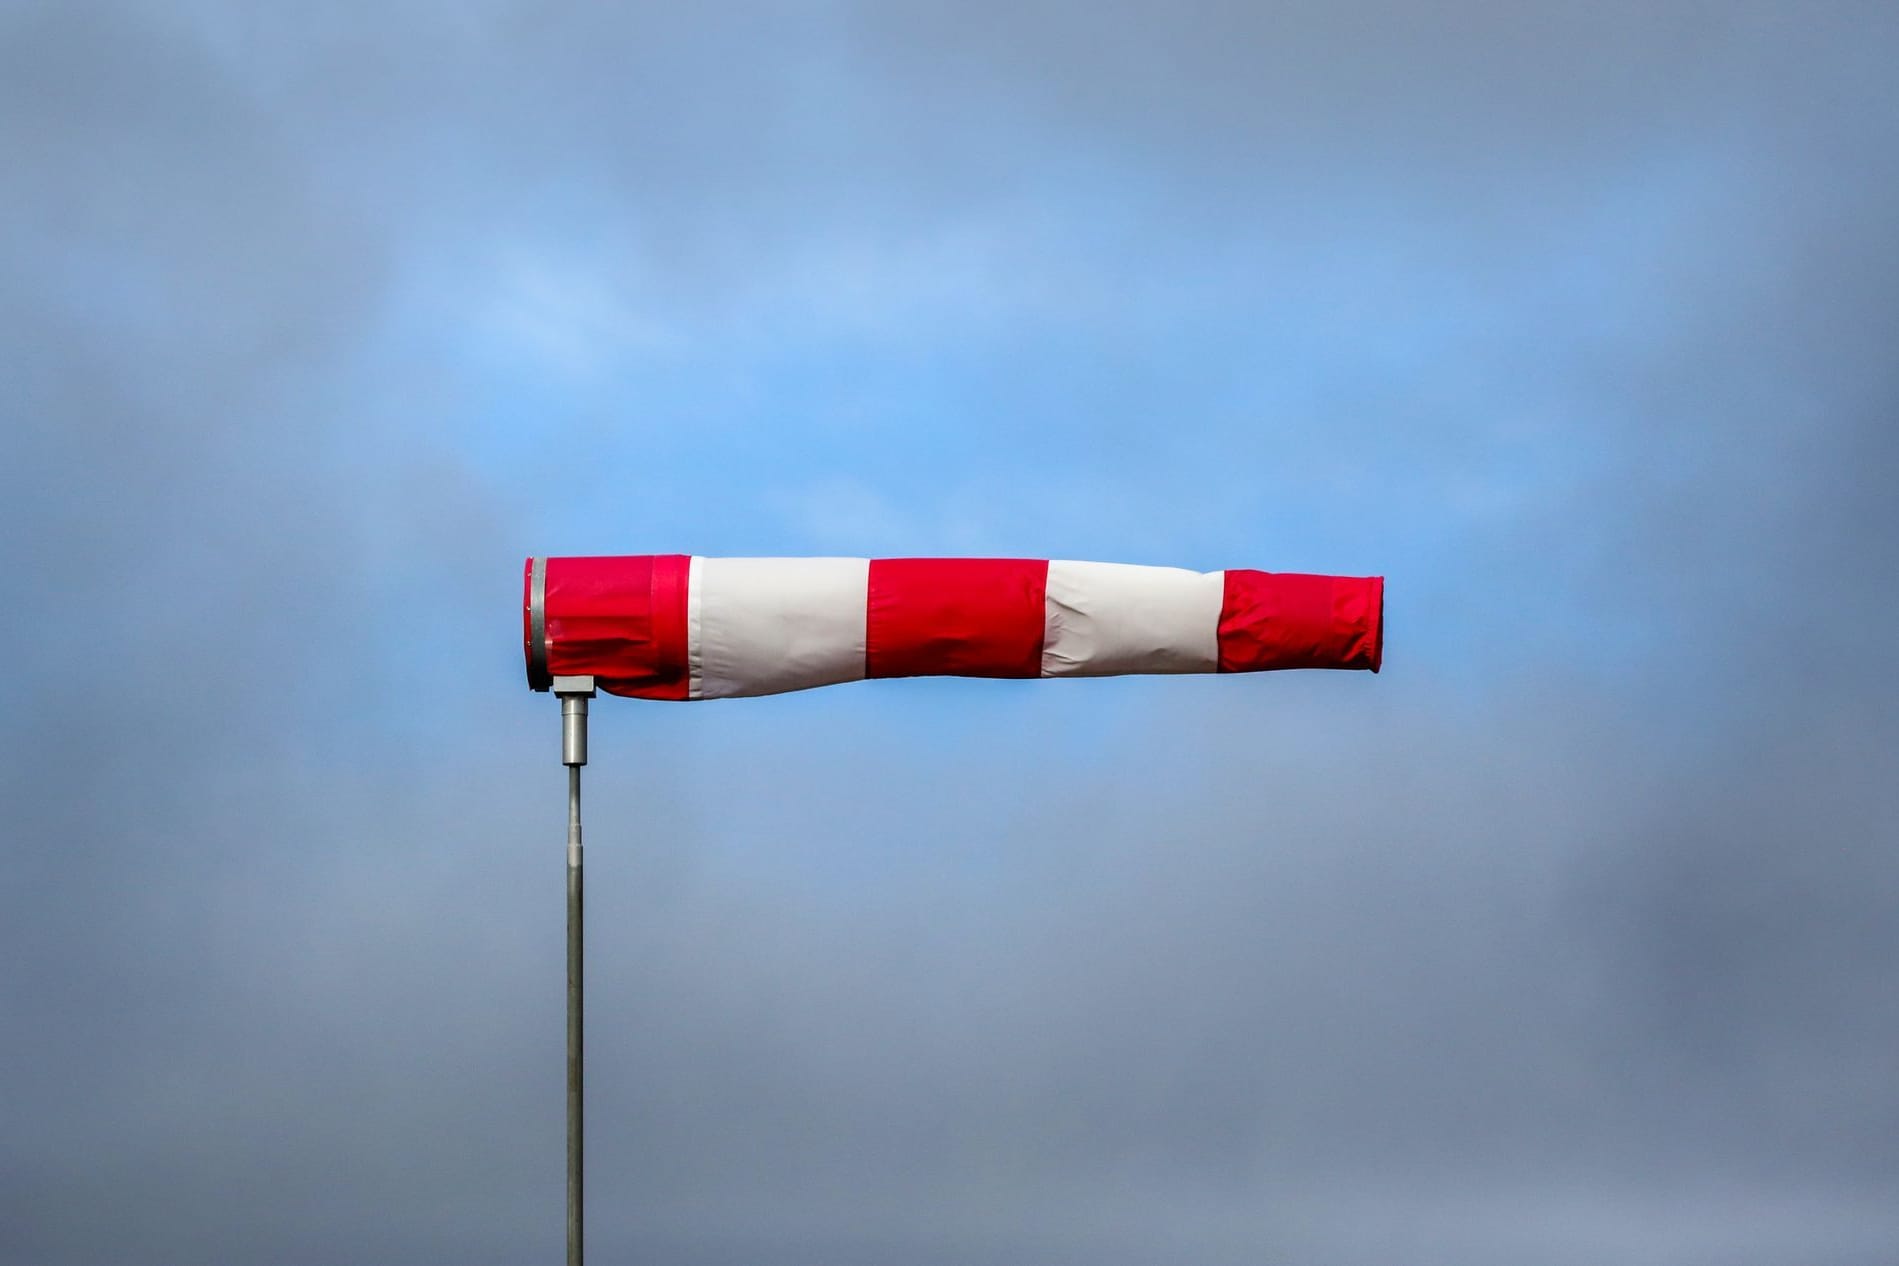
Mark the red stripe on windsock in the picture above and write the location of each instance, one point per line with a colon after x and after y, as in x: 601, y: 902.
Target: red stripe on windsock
x: 671, y: 575
x: 966, y: 617
x: 621, y: 621
x: 1289, y: 620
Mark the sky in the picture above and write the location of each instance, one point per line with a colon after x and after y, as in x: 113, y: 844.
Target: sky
x: 1565, y: 939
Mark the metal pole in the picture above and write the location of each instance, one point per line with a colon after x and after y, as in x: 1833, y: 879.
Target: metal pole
x: 573, y: 718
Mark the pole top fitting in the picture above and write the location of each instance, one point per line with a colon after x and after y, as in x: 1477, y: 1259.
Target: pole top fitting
x: 574, y: 693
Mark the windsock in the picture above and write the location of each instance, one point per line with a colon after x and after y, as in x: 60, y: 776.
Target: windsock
x: 673, y: 626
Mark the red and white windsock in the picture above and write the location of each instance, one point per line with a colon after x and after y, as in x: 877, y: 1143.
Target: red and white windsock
x: 673, y: 626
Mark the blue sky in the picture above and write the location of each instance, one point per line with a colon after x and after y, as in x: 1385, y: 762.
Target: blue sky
x: 1561, y: 940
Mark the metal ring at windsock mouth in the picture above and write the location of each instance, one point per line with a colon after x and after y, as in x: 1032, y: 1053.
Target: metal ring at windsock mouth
x: 537, y: 674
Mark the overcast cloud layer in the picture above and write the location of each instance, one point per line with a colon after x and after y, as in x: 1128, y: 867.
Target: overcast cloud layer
x: 1567, y: 939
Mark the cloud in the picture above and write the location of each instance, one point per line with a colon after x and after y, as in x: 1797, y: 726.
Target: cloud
x: 1561, y: 940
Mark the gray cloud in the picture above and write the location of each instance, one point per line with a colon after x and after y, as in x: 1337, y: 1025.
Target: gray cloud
x: 1562, y: 941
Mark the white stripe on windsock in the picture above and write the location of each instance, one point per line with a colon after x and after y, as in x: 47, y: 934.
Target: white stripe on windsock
x: 767, y: 625
x: 1104, y: 619
x: 695, y: 635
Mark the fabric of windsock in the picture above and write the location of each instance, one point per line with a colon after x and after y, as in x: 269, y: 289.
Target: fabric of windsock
x: 676, y: 626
